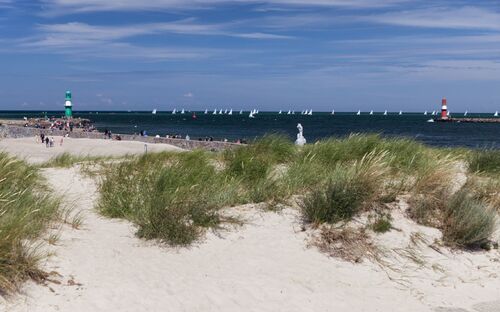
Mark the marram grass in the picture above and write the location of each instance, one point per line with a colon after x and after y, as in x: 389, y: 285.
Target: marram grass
x: 25, y: 212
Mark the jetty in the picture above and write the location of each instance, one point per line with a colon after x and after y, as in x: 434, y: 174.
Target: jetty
x: 446, y: 118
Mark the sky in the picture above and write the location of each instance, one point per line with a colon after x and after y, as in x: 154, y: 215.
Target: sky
x: 242, y: 54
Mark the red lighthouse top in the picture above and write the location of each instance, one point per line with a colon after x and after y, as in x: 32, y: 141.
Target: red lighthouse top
x: 444, y: 109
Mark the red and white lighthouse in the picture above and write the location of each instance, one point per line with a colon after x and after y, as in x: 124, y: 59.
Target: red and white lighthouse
x: 444, y: 109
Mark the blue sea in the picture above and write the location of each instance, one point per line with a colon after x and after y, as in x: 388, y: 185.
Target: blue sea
x: 316, y: 127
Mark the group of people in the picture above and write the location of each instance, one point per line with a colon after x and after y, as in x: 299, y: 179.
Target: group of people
x: 49, y: 142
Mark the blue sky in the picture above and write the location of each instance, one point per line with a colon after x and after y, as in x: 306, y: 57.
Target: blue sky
x: 271, y: 55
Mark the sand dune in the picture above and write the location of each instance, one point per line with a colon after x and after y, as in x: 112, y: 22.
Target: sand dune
x: 264, y: 265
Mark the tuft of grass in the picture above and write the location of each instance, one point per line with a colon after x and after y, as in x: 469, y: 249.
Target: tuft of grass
x: 66, y: 160
x: 26, y: 210
x: 468, y: 222
x: 349, y: 189
x: 485, y: 161
x: 382, y: 224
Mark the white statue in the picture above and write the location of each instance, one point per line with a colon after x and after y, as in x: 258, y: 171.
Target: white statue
x: 300, y: 137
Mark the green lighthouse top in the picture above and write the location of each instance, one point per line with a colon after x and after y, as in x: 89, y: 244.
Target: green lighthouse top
x: 68, y: 95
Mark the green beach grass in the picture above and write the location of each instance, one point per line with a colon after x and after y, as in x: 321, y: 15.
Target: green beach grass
x: 26, y: 210
x: 176, y: 197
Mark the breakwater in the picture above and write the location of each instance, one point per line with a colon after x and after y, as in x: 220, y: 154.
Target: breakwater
x: 469, y: 120
x: 9, y: 131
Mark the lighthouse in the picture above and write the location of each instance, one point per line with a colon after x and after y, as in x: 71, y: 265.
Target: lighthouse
x: 68, y: 106
x: 444, y: 109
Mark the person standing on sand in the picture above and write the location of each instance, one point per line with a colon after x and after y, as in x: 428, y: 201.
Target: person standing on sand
x: 46, y: 141
x: 52, y: 142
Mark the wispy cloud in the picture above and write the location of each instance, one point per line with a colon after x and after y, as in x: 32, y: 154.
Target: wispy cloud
x: 467, y: 17
x: 65, y: 6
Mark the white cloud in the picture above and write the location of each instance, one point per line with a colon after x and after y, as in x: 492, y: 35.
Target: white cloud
x: 442, y: 17
x: 65, y: 6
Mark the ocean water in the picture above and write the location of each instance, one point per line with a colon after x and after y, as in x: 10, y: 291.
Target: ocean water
x: 316, y: 127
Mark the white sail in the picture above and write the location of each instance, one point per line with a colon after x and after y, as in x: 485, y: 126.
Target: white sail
x: 425, y: 113
x: 293, y: 112
x: 174, y: 111
x: 206, y: 111
x: 333, y: 112
x: 371, y: 112
x: 279, y: 113
x: 220, y: 112
x: 495, y: 114
x: 433, y: 113
x: 241, y: 112
x: 385, y: 112
x: 401, y: 112
x: 230, y: 112
x: 310, y: 112
x: 215, y: 112
x: 466, y: 112
x: 182, y: 111
x: 251, y: 115
x: 358, y: 113
x: 288, y: 113
x: 154, y: 111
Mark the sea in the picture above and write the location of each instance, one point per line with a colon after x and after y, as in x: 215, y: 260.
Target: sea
x: 316, y: 127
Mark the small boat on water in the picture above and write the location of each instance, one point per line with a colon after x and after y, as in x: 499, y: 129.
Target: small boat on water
x: 333, y: 112
x: 241, y: 112
x: 154, y: 111
x: 206, y: 111
x: 495, y: 114
x: 182, y: 111
x: 425, y: 113
x: 385, y: 112
x: 358, y: 113
x: 400, y: 112
x: 310, y: 113
x: 371, y: 112
x: 293, y: 112
x: 230, y: 112
x: 174, y: 111
x: 433, y: 113
x: 288, y: 113
x: 220, y: 112
x: 465, y: 114
x: 279, y: 113
x: 215, y: 112
x: 194, y: 116
x: 251, y: 115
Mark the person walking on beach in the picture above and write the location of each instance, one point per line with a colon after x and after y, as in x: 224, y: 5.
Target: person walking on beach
x: 46, y: 141
x: 52, y: 142
x: 42, y: 136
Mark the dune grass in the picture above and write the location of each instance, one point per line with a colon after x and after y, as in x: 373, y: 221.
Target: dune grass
x: 175, y: 197
x: 485, y: 161
x: 66, y: 160
x: 25, y: 212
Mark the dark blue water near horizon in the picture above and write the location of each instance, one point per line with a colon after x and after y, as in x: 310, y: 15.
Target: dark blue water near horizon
x: 316, y: 127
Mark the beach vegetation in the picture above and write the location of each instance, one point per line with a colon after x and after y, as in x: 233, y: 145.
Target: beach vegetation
x: 26, y: 211
x: 485, y: 161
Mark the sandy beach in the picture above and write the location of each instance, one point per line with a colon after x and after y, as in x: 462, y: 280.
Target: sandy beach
x: 36, y: 152
x: 267, y: 264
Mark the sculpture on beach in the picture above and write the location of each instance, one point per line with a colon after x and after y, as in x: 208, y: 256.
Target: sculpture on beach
x: 300, y: 136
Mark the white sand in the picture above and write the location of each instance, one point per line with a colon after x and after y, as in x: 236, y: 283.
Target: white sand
x: 263, y: 266
x: 29, y: 149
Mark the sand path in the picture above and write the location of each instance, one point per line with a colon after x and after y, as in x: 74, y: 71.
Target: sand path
x: 263, y: 266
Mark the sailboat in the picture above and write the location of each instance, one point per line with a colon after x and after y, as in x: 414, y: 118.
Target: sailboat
x: 279, y: 113
x: 256, y: 111
x: 425, y: 113
x: 241, y: 112
x: 215, y: 112
x: 433, y: 113
x: 310, y: 112
x: 495, y: 114
x: 174, y: 111
x: 358, y: 113
x: 230, y: 112
x: 333, y: 112
x: 385, y: 112
x: 251, y: 115
x: 154, y: 111
x: 288, y: 113
x: 293, y: 112
x: 220, y: 112
x: 400, y: 112
x: 371, y: 112
x: 206, y: 111
x: 182, y: 111
x: 466, y: 112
